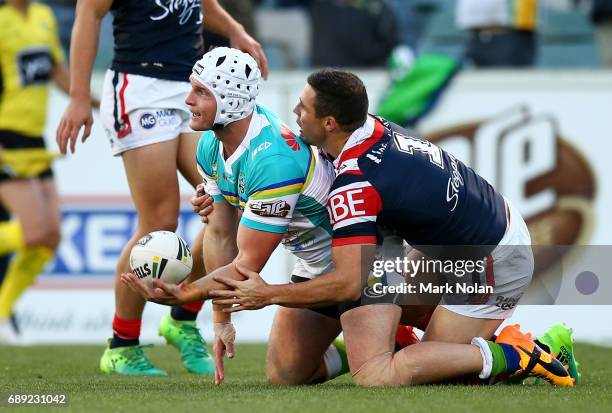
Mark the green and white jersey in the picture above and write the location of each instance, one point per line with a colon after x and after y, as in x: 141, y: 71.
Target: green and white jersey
x: 279, y: 183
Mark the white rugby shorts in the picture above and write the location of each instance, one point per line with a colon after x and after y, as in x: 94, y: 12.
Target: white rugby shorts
x: 511, y: 270
x: 138, y: 110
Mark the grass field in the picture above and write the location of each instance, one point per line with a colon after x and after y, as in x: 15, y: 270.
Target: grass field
x: 73, y: 370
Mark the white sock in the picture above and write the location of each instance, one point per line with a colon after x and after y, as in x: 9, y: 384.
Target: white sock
x: 333, y: 362
x: 487, y: 357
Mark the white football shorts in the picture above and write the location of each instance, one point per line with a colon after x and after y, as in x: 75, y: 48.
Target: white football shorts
x: 138, y: 110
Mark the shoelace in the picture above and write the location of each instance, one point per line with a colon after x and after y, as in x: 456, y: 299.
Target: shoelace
x: 135, y: 357
x: 196, y: 347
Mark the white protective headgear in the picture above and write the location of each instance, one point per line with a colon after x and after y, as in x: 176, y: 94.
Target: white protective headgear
x: 233, y: 78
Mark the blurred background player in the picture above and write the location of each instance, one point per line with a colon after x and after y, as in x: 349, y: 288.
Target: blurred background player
x: 502, y: 32
x: 4, y: 261
x: 145, y: 116
x: 30, y: 56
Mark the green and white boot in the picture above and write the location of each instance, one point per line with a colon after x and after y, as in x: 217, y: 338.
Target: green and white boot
x: 129, y: 361
x: 186, y: 338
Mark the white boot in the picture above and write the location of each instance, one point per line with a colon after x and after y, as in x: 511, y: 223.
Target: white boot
x: 8, y: 335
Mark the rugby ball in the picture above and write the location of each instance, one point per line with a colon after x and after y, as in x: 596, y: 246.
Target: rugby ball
x: 162, y: 255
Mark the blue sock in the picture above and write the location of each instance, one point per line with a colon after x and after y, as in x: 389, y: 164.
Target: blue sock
x: 123, y: 342
x: 179, y: 313
x: 512, y: 358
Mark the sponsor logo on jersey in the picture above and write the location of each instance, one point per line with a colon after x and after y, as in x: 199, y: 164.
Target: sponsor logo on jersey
x: 147, y: 121
x: 241, y: 183
x: 375, y: 154
x: 35, y: 66
x: 351, y: 204
x: 290, y: 138
x: 183, y: 9
x: 262, y: 147
x: 525, y: 157
x: 455, y: 182
x: 277, y: 208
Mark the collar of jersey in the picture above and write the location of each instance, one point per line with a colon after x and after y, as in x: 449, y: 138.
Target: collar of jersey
x: 258, y: 122
x: 357, y: 137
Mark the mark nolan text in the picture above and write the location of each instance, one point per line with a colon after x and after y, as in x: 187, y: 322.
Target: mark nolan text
x: 432, y: 288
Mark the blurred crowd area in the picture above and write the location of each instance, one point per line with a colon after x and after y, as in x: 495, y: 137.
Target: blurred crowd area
x: 299, y: 34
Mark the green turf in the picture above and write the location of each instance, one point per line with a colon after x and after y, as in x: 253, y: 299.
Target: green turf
x: 73, y: 370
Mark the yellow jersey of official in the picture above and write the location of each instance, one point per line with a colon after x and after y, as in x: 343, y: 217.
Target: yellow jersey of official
x: 29, y: 48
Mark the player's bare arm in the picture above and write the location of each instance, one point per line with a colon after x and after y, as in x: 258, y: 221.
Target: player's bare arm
x: 219, y: 21
x: 343, y: 284
x: 220, y: 239
x: 61, y: 78
x: 83, y: 49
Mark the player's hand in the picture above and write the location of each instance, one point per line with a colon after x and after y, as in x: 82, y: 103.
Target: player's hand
x: 249, y: 294
x: 161, y: 292
x: 242, y: 41
x: 202, y: 203
x: 225, y: 335
x: 77, y: 115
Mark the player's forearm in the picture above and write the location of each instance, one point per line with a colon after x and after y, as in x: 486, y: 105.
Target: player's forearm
x: 207, y: 284
x: 327, y: 289
x: 217, y: 20
x: 61, y: 77
x: 83, y: 50
x: 219, y: 247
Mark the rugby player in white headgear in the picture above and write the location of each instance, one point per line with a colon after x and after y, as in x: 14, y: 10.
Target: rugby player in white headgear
x: 230, y: 78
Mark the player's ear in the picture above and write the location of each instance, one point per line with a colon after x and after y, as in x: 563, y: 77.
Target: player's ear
x: 330, y: 124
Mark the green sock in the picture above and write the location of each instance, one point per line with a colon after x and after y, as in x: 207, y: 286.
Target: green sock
x: 339, y: 344
x: 499, y: 359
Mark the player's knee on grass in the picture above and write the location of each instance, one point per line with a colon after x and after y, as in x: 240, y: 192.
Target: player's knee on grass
x: 286, y: 368
x: 286, y: 375
x: 282, y: 367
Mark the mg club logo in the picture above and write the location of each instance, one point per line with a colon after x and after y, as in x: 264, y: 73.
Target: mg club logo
x: 147, y: 121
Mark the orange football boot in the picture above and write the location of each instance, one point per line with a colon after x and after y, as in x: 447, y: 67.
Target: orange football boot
x: 534, y: 361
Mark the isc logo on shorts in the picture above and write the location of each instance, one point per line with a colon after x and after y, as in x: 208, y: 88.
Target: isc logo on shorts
x: 147, y: 121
